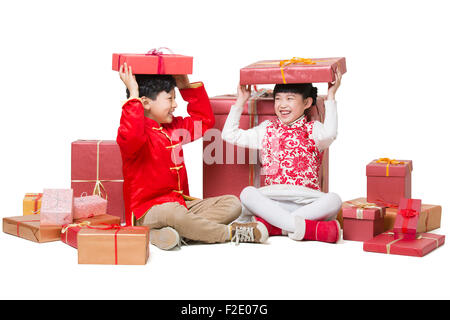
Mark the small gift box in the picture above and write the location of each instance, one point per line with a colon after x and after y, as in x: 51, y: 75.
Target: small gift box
x: 113, y: 245
x: 32, y: 203
x: 69, y: 232
x: 153, y: 62
x: 236, y: 167
x: 388, y: 181
x: 362, y: 220
x: 429, y: 218
x: 88, y: 206
x: 405, y: 224
x: 420, y: 246
x: 30, y: 228
x: 96, y: 169
x: 295, y: 70
x: 57, y: 207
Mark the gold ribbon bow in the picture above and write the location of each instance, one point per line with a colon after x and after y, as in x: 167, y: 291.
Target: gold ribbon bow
x: 360, y: 206
x: 81, y: 224
x: 284, y: 63
x: 388, y: 163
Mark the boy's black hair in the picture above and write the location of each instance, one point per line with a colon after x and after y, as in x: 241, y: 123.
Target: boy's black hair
x: 150, y: 85
x: 307, y: 90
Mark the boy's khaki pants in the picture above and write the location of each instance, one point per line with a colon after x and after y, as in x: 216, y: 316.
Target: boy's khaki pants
x: 204, y: 220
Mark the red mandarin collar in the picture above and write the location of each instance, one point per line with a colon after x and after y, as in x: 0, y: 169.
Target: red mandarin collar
x: 297, y: 124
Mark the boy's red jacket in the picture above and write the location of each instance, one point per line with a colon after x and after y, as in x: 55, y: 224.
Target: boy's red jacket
x: 152, y: 156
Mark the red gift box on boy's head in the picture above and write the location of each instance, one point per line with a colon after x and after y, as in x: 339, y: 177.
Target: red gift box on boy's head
x: 233, y: 168
x: 97, y: 169
x: 153, y: 62
x: 388, y: 181
x: 405, y: 224
x: 295, y: 70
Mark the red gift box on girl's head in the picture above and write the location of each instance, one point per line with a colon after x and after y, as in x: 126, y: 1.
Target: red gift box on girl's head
x: 153, y: 62
x: 233, y: 168
x: 295, y: 70
x: 362, y: 220
x: 97, y: 169
x: 405, y: 224
x: 388, y: 181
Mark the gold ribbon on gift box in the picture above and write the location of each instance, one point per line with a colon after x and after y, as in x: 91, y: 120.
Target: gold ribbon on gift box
x: 67, y: 227
x: 390, y: 162
x: 98, y: 183
x: 388, y: 245
x: 360, y: 206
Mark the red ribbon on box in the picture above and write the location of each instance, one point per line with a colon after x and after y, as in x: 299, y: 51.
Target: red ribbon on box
x: 19, y: 222
x: 407, y: 214
x: 118, y: 228
x: 159, y: 54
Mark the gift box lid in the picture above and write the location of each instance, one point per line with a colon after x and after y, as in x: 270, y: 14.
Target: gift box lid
x: 362, y: 210
x: 295, y: 70
x: 385, y: 167
x: 407, y: 216
x: 144, y: 63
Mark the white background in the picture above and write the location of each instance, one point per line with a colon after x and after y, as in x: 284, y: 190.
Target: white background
x: 57, y: 86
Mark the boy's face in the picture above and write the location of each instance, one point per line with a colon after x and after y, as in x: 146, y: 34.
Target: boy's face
x: 161, y: 109
x: 290, y: 106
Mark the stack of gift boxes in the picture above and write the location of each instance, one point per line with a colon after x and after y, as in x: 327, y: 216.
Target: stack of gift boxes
x: 388, y: 220
x: 90, y: 215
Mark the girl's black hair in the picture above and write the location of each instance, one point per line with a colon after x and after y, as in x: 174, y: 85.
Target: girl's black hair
x: 150, y: 85
x: 307, y: 90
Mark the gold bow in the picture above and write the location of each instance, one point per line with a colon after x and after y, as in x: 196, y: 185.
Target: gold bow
x: 388, y: 163
x: 284, y: 63
x: 81, y: 224
x: 360, y: 206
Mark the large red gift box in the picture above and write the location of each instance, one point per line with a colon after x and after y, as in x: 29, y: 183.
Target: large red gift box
x: 362, y: 220
x: 405, y: 224
x: 422, y: 245
x: 295, y: 70
x: 156, y: 63
x: 97, y: 169
x: 388, y: 181
x: 233, y: 168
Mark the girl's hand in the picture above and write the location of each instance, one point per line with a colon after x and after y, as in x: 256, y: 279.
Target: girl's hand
x: 332, y: 87
x: 243, y: 94
x: 126, y: 75
x: 182, y: 81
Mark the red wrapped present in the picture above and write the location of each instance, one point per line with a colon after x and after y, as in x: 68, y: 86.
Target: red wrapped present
x: 362, y: 220
x: 69, y: 232
x: 153, y: 62
x: 420, y: 246
x: 405, y: 224
x: 97, y: 169
x: 233, y: 168
x: 295, y: 70
x: 388, y: 181
x: 113, y: 245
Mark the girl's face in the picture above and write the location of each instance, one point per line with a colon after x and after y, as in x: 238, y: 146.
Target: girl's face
x: 290, y: 106
x: 161, y: 109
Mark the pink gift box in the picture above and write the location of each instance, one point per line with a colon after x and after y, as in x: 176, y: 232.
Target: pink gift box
x: 362, y: 220
x: 295, y: 70
x: 153, y: 64
x: 236, y: 168
x: 388, y: 181
x: 89, y: 206
x: 56, y: 207
x: 422, y: 245
x: 407, y: 218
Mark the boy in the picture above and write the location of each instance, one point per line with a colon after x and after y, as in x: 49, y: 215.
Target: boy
x: 156, y: 189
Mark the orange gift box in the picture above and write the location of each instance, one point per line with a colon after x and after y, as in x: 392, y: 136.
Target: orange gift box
x: 113, y: 245
x: 32, y: 203
x: 69, y: 232
x: 153, y: 62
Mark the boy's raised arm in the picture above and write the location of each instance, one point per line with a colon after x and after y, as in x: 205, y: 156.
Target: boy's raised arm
x: 131, y: 133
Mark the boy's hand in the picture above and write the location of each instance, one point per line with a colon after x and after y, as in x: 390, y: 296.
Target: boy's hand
x: 182, y: 81
x: 126, y: 75
x: 243, y: 94
x: 332, y: 87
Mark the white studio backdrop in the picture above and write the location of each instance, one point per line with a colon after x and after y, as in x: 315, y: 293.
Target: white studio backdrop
x: 57, y: 86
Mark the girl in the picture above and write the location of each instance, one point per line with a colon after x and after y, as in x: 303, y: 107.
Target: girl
x: 291, y: 150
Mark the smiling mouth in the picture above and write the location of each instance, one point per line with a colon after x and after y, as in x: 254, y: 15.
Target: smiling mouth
x: 285, y: 112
